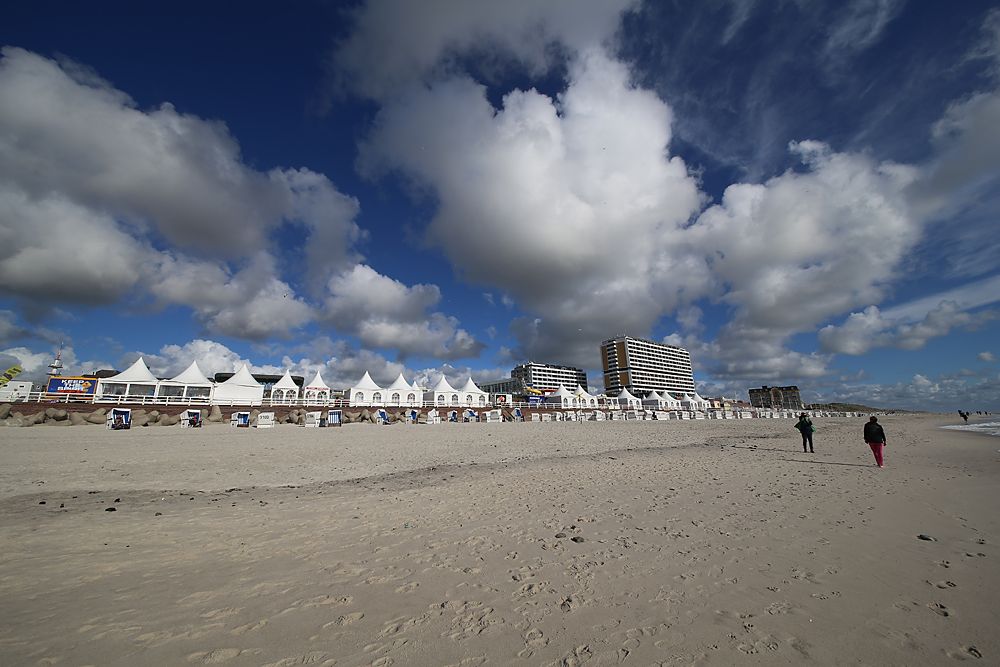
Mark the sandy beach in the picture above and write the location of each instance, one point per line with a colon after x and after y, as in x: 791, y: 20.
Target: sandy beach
x: 641, y: 543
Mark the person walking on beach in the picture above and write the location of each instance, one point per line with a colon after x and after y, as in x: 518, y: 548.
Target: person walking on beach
x: 806, y: 429
x: 875, y: 437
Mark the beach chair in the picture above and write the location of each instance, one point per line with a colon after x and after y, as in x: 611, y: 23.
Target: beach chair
x: 335, y: 418
x: 545, y: 416
x: 265, y: 420
x: 381, y: 417
x: 518, y: 417
x: 191, y: 419
x: 433, y: 417
x: 119, y: 419
x: 312, y: 420
x: 469, y: 416
x: 239, y: 420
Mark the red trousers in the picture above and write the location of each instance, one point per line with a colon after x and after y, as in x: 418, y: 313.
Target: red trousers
x: 877, y: 451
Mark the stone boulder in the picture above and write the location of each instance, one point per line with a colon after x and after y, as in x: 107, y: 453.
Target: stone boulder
x: 5, y: 410
x: 215, y: 416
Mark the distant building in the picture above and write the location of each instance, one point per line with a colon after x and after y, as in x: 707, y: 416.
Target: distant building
x: 642, y: 366
x: 512, y: 386
x: 546, y: 377
x: 784, y: 398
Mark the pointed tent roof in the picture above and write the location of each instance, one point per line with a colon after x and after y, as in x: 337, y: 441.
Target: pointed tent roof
x: 242, y: 378
x: 136, y: 373
x: 653, y: 396
x: 367, y: 383
x: 442, y: 385
x: 580, y: 391
x: 286, y: 381
x: 471, y: 388
x: 416, y: 386
x: 317, y: 382
x: 192, y: 375
x: 626, y: 395
x: 400, y: 385
x: 561, y: 391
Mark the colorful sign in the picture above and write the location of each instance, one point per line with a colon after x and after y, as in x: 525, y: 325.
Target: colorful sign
x: 11, y: 373
x: 71, y: 385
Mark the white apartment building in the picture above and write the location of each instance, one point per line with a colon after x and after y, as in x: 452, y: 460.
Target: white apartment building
x: 642, y: 366
x: 545, y: 377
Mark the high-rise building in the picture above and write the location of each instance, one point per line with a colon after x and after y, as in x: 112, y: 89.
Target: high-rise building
x: 642, y: 366
x: 546, y: 377
x: 785, y: 398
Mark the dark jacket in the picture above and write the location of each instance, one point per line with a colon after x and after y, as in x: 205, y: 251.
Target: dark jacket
x: 804, y: 426
x: 874, y: 432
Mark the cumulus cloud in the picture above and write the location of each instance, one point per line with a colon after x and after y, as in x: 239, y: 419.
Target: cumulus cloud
x: 867, y: 330
x: 89, y: 183
x: 546, y: 198
x: 396, y: 43
x: 386, y: 314
x: 945, y: 393
x: 986, y: 356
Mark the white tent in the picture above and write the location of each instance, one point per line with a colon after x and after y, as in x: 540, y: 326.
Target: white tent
x: 241, y: 389
x: 136, y: 380
x: 561, y: 397
x: 191, y: 384
x: 662, y: 401
x: 473, y: 396
x: 442, y: 394
x: 401, y: 392
x: 365, y: 392
x: 694, y: 402
x: 284, y: 390
x: 317, y: 391
x: 626, y: 401
x: 584, y: 398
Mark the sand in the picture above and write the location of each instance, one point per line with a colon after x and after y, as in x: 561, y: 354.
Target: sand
x: 639, y: 543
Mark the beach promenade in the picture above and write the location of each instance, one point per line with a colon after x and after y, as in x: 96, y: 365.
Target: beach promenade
x: 710, y: 542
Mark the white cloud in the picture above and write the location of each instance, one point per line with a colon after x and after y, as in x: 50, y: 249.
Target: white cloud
x: 986, y: 356
x: 558, y: 191
x: 396, y: 43
x: 88, y: 182
x: 386, y: 314
x: 946, y: 393
x: 865, y: 331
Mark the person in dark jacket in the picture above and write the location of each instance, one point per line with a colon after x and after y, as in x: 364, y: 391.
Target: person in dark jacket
x: 875, y: 437
x: 806, y: 429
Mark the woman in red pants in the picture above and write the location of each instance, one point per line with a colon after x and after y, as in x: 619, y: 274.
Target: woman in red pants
x: 875, y: 437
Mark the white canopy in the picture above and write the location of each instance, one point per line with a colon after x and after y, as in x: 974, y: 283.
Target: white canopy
x: 284, y: 390
x: 585, y: 399
x: 365, y: 392
x: 401, y: 393
x: 694, y: 402
x: 627, y: 401
x: 442, y: 394
x: 317, y: 391
x: 241, y: 389
x: 561, y: 396
x: 136, y: 380
x: 473, y: 395
x: 191, y: 383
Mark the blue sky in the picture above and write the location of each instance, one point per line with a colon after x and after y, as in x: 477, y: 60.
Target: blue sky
x: 797, y: 192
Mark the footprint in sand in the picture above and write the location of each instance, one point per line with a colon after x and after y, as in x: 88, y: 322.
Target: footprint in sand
x: 965, y: 653
x: 406, y: 588
x: 249, y: 627
x: 938, y: 609
x: 347, y: 619
x: 214, y: 657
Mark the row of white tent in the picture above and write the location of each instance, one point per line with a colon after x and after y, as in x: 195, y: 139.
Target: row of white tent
x: 240, y: 389
x: 243, y: 389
